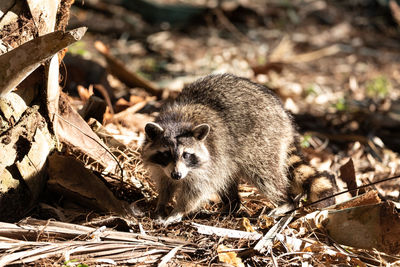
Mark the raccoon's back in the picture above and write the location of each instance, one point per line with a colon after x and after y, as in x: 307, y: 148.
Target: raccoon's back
x: 241, y: 104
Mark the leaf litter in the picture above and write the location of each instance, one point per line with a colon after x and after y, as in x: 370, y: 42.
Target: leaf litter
x: 333, y: 72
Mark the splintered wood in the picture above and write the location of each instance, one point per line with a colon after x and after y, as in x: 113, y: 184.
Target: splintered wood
x: 23, y: 60
x: 29, y: 242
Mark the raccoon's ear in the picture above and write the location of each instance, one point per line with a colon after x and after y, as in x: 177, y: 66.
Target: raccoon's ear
x: 201, y: 131
x: 153, y: 130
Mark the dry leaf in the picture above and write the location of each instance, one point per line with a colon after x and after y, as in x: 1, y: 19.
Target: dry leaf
x: 265, y: 222
x: 227, y: 256
x: 348, y: 175
x: 134, y: 99
x: 84, y: 94
x: 357, y: 262
x: 316, y: 248
x: 121, y: 105
x: 245, y: 225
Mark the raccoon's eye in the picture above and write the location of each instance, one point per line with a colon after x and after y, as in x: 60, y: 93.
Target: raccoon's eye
x: 186, y: 155
x: 161, y: 158
x: 190, y: 159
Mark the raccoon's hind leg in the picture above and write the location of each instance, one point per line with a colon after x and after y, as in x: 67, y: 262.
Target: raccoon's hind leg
x: 270, y: 178
x: 230, y: 196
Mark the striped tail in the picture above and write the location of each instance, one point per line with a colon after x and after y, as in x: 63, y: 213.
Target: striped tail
x: 305, y: 179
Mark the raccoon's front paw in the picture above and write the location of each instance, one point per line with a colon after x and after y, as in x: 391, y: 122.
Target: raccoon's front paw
x: 160, y: 213
x: 172, y: 219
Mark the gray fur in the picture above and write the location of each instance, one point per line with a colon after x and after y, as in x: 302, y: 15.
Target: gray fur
x: 249, y: 137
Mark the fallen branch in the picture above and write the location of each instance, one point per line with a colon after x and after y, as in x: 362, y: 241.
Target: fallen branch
x: 264, y: 245
x: 118, y: 69
x: 17, y: 64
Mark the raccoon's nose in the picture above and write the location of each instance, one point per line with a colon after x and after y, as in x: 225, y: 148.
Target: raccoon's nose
x: 176, y: 175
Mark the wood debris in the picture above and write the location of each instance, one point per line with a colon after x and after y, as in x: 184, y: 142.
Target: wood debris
x: 22, y: 61
x: 34, y: 240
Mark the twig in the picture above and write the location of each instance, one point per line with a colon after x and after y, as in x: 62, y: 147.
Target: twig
x: 229, y: 26
x: 211, y: 230
x: 131, y: 110
x: 121, y: 72
x: 314, y: 55
x: 106, y: 96
x: 265, y: 243
x: 168, y: 257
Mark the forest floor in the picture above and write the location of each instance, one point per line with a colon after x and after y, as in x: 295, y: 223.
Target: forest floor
x: 336, y: 67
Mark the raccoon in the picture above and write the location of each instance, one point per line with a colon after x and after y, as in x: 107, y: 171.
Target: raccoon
x: 220, y: 129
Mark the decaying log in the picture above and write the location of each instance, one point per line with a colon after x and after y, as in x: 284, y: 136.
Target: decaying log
x: 44, y: 14
x: 26, y: 139
x: 14, y: 31
x: 28, y: 134
x: 24, y: 149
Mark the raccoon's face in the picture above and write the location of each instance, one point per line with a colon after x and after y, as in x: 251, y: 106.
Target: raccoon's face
x: 176, y: 151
